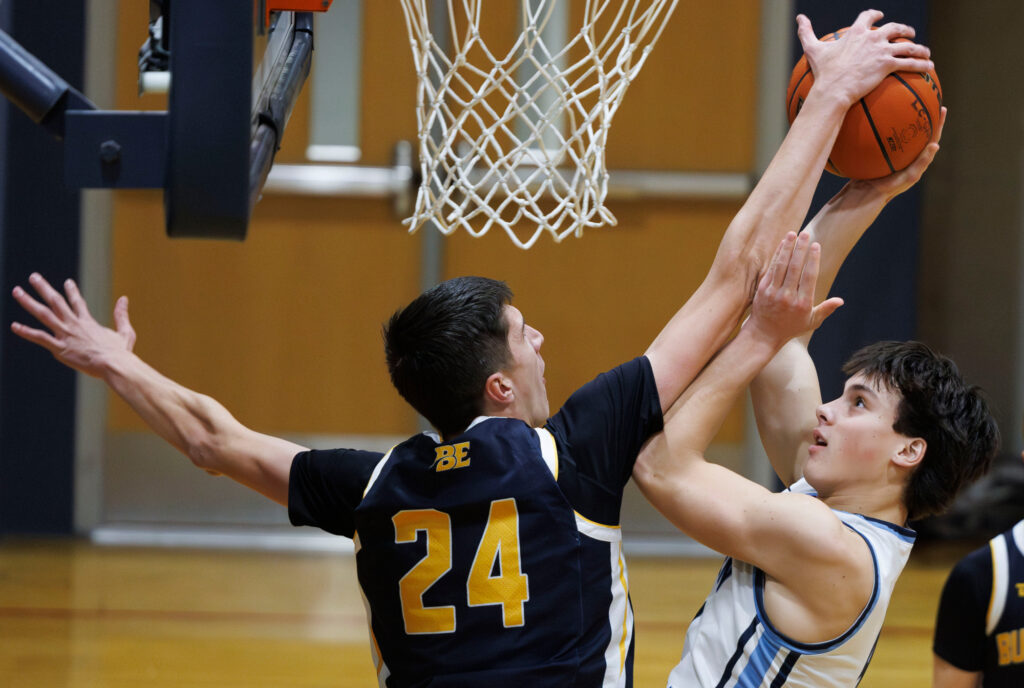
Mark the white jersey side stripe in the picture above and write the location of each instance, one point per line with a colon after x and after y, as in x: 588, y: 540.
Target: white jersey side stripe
x: 619, y: 621
x: 1000, y: 582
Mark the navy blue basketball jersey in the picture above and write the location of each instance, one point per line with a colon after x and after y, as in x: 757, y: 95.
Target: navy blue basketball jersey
x: 494, y: 558
x: 1005, y: 620
x: 469, y: 558
x: 980, y: 625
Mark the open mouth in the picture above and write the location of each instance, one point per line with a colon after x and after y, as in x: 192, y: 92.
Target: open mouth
x: 819, y: 441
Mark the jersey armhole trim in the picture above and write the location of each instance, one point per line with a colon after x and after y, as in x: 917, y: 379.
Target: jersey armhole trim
x: 597, y: 531
x: 826, y: 645
x: 376, y: 471
x: 548, y: 450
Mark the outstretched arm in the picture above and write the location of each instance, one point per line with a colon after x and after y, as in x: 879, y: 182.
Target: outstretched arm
x: 786, y: 393
x: 195, y: 424
x: 712, y: 504
x: 844, y: 71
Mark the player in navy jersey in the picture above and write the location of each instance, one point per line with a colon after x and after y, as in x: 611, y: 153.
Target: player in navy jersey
x: 489, y: 551
x: 802, y: 595
x: 979, y: 629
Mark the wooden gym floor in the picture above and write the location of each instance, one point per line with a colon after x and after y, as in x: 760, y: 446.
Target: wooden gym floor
x: 77, y: 615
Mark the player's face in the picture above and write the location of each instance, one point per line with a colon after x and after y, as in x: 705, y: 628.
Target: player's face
x: 854, y: 440
x: 527, y: 368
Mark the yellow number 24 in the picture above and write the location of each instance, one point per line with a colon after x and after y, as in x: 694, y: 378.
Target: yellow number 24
x: 500, y: 542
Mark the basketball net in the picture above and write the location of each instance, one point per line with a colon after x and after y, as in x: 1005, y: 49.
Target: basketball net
x: 516, y: 138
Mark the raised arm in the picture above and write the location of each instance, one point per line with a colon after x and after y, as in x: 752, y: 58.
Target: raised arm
x: 195, y: 424
x: 713, y: 505
x: 844, y: 71
x: 786, y: 393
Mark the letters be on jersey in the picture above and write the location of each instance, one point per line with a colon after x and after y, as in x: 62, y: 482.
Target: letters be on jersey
x: 449, y: 456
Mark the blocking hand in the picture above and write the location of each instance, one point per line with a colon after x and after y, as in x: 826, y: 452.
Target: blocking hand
x: 851, y: 67
x: 784, y: 303
x: 74, y: 337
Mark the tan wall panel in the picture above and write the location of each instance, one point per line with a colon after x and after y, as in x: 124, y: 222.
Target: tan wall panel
x: 284, y: 328
x: 389, y: 82
x: 600, y: 300
x: 692, y: 107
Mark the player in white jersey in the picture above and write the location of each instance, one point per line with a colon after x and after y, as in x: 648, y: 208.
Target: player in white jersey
x: 801, y: 598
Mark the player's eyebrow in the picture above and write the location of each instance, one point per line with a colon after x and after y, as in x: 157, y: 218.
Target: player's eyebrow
x: 862, y: 389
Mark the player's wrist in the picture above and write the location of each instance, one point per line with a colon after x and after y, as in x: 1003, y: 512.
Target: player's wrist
x: 116, y: 366
x: 828, y: 101
x: 761, y: 340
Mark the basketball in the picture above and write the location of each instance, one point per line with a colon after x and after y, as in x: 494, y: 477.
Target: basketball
x: 883, y: 132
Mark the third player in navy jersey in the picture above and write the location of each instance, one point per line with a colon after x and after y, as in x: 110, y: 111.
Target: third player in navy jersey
x: 979, y: 631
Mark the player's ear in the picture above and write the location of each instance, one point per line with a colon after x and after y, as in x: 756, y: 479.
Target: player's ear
x: 498, y: 389
x: 911, y: 453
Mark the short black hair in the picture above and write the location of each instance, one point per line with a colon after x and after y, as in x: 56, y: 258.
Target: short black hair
x: 443, y: 346
x: 936, y: 405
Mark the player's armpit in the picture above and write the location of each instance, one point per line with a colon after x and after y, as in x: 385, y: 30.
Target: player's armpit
x: 794, y: 538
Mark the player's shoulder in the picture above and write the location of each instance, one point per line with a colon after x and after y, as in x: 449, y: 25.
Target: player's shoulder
x: 819, y: 532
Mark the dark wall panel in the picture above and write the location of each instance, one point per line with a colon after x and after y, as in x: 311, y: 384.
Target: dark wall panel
x: 38, y: 231
x: 879, y: 280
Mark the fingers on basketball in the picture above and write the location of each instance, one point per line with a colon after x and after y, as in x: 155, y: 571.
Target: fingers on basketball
x: 886, y: 130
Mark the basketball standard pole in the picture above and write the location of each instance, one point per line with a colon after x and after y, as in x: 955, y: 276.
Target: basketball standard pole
x: 431, y: 241
x: 774, y: 65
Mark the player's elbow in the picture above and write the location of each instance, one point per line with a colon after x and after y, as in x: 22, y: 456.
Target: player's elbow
x: 736, y: 270
x: 207, y: 437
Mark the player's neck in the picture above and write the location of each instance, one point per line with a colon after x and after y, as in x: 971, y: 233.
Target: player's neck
x: 884, y: 504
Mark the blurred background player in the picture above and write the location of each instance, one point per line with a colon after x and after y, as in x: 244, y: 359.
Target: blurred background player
x: 979, y: 629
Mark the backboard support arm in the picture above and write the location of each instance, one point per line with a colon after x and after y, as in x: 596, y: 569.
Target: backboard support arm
x: 211, y: 150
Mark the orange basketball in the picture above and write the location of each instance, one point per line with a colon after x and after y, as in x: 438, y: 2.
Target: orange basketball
x: 883, y: 132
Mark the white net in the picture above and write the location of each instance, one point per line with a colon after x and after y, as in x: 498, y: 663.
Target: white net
x: 516, y: 137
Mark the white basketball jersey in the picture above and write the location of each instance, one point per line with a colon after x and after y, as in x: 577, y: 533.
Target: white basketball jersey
x: 732, y: 643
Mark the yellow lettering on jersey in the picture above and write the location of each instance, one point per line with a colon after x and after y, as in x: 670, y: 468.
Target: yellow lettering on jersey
x: 449, y: 456
x: 437, y: 525
x: 1011, y: 647
x: 1020, y: 589
x: 500, y: 543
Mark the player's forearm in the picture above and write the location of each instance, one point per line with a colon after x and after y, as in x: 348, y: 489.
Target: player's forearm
x: 776, y: 205
x: 784, y: 396
x: 193, y: 423
x: 693, y: 421
x: 781, y: 198
x: 839, y: 225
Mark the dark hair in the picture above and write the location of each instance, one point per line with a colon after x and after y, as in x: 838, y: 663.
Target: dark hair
x: 938, y: 406
x: 443, y: 346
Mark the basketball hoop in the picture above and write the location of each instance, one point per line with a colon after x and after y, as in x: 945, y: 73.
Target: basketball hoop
x: 516, y: 138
